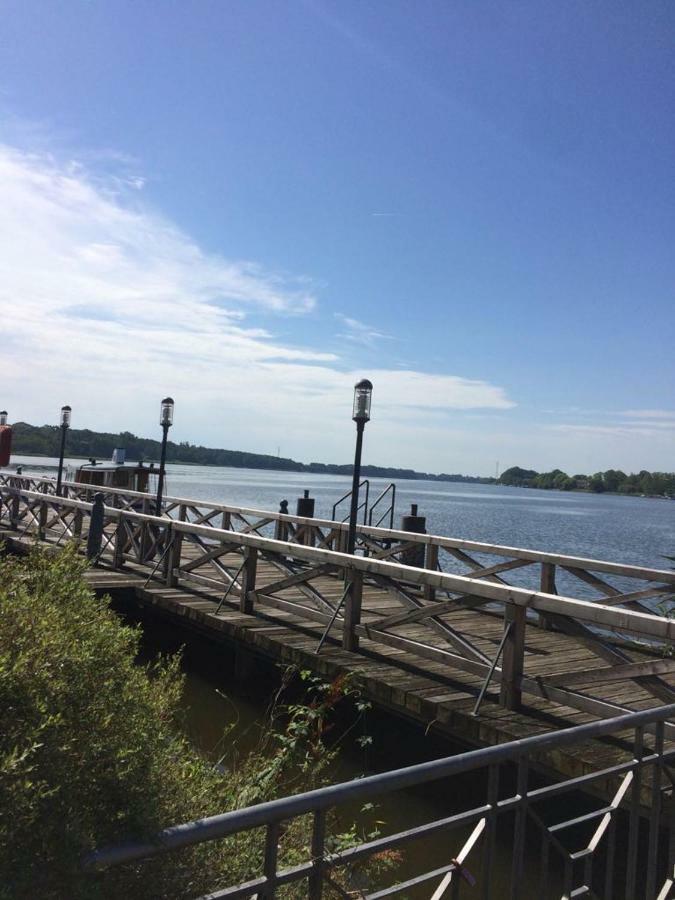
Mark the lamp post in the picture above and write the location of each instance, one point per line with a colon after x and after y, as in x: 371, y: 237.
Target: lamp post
x: 65, y: 425
x: 166, y: 421
x: 360, y: 414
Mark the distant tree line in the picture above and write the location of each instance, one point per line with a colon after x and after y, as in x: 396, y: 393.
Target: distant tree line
x: 656, y: 484
x: 33, y: 440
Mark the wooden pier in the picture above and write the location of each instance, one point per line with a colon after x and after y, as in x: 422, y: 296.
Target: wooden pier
x: 465, y: 654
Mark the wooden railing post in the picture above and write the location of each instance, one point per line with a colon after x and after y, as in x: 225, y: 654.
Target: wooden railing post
x: 513, y: 658
x: 14, y: 515
x: 341, y: 542
x: 547, y: 586
x: 280, y: 530
x: 42, y: 519
x: 225, y: 522
x: 248, y: 575
x: 173, y: 557
x: 77, y: 524
x: 431, y: 562
x: 350, y: 640
x: 143, y: 539
x: 120, y: 542
x: 95, y: 535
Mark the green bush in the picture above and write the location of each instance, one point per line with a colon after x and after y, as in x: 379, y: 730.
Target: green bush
x: 91, y: 752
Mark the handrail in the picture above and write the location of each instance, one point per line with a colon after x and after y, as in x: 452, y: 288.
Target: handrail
x: 363, y: 505
x: 371, y: 786
x: 666, y: 576
x: 390, y: 488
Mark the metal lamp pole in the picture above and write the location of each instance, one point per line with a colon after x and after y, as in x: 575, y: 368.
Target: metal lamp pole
x: 166, y: 421
x: 361, y: 414
x: 65, y: 425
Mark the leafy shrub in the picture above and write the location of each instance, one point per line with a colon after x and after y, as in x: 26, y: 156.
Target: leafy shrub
x: 91, y: 753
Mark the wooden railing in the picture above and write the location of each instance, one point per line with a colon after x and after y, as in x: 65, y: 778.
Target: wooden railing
x: 633, y: 587
x: 187, y: 546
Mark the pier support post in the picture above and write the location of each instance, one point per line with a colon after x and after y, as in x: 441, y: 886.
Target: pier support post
x: 350, y: 640
x: 514, y: 655
x: 95, y: 535
x: 248, y: 574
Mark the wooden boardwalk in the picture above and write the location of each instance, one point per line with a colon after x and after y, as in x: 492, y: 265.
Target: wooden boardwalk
x: 276, y: 599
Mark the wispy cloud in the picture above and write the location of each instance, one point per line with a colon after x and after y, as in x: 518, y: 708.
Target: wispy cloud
x: 359, y: 332
x: 108, y: 305
x: 653, y: 414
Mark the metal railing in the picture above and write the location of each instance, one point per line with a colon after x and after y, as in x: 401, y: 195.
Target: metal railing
x: 363, y: 505
x: 509, y: 842
x: 388, y: 512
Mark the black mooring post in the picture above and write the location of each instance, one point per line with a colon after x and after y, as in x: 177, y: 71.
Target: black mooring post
x: 95, y: 536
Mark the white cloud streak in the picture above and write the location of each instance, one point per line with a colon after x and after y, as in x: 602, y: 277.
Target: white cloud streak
x: 107, y: 305
x: 359, y: 332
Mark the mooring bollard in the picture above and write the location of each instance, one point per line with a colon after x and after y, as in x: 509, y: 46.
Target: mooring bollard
x: 95, y: 535
x: 305, y: 508
x: 415, y: 555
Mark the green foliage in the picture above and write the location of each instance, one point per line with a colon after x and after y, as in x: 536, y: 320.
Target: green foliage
x: 91, y: 752
x: 653, y: 484
x: 518, y: 477
x: 83, y: 443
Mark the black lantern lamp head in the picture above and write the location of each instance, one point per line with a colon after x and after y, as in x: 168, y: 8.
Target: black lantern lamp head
x: 166, y: 412
x: 65, y: 416
x: 3, y: 417
x: 363, y: 392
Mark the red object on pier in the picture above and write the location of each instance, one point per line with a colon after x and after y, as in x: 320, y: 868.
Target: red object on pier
x: 5, y: 444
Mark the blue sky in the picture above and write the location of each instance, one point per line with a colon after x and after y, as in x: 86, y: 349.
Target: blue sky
x: 251, y: 204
